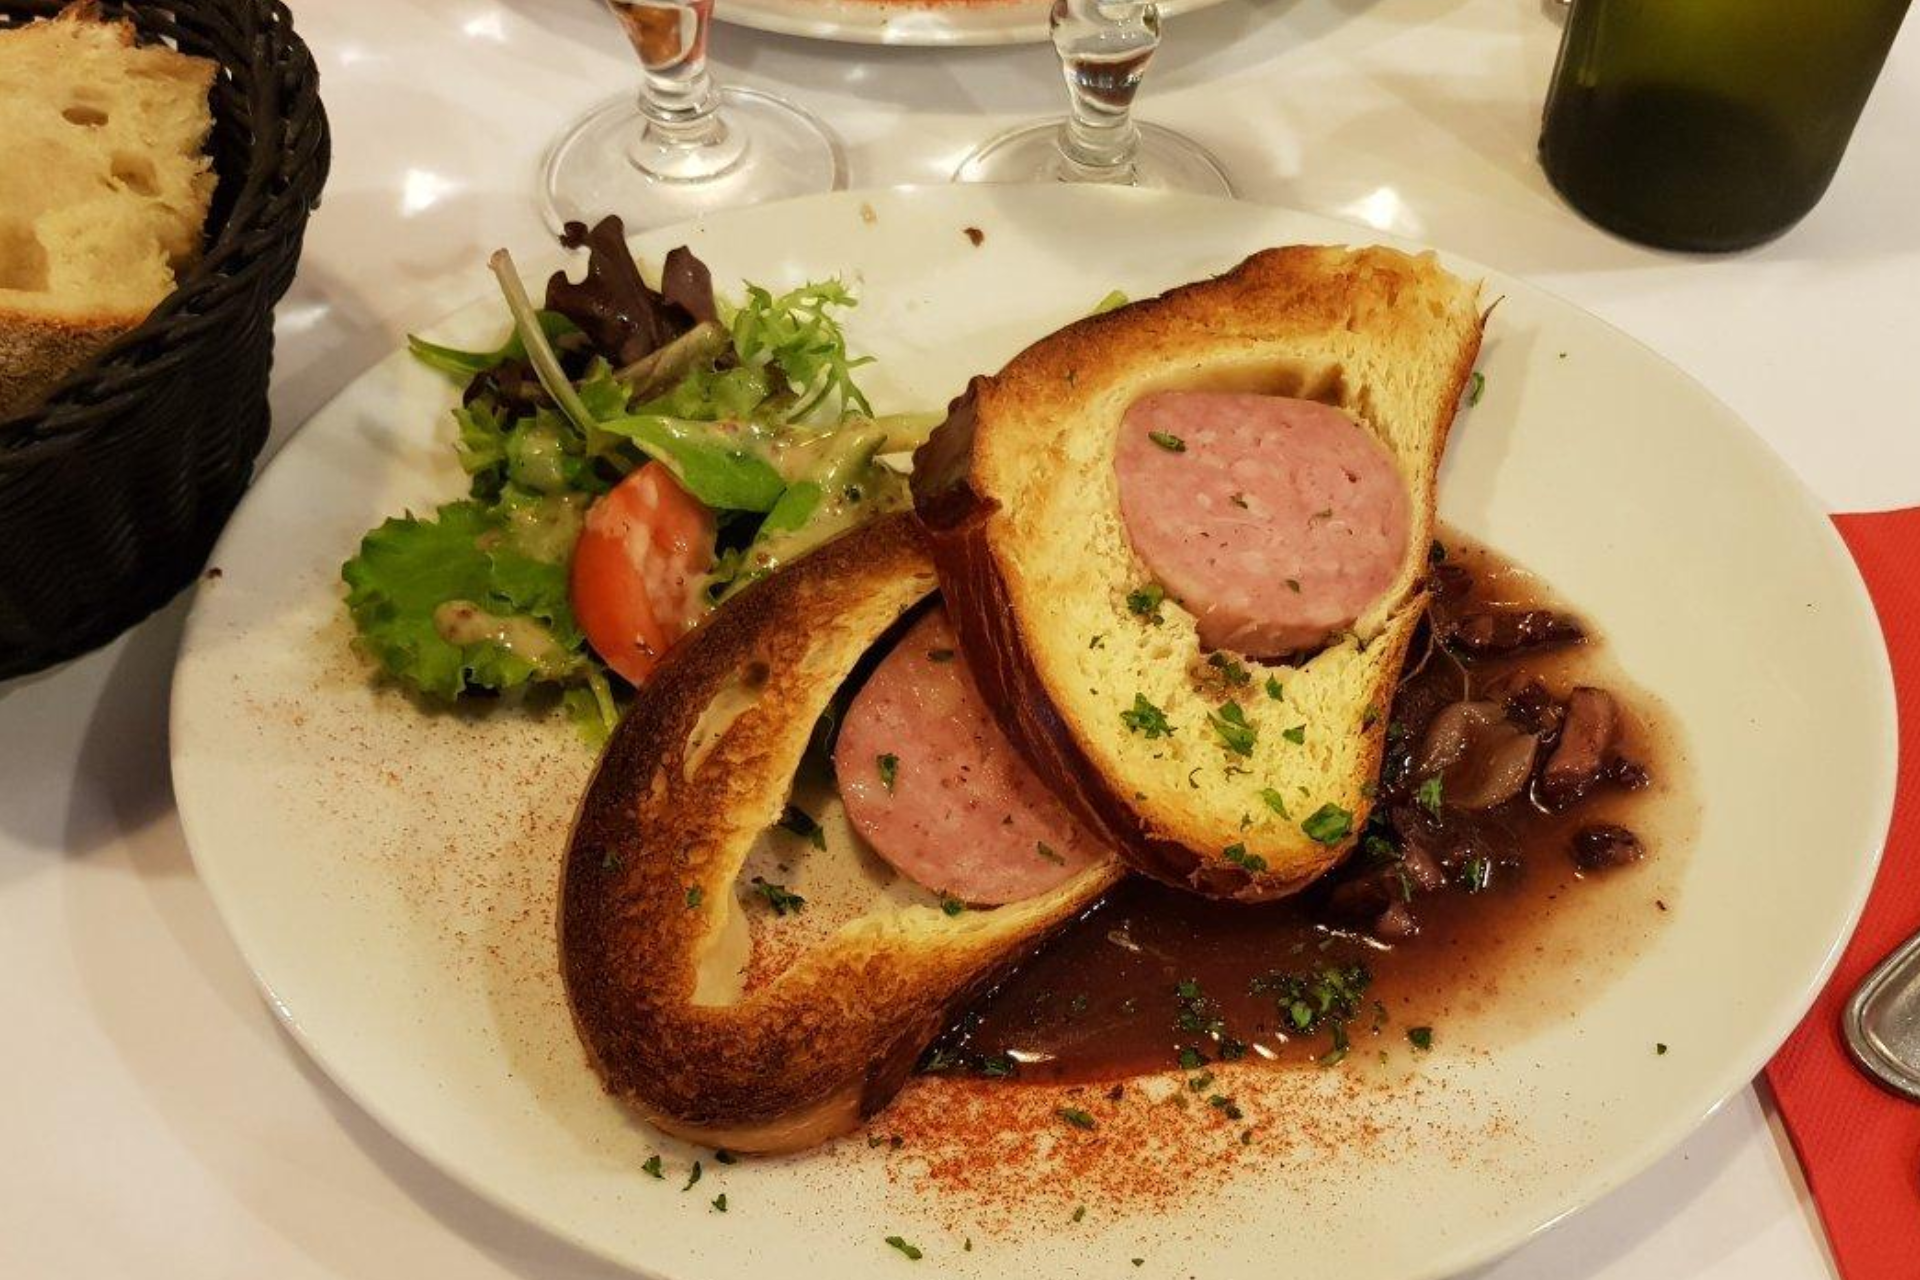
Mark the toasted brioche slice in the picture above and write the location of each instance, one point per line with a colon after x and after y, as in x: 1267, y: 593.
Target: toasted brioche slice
x: 698, y: 769
x: 1018, y: 493
x: 104, y: 193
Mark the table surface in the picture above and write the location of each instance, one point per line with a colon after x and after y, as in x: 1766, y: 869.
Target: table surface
x: 157, y: 1120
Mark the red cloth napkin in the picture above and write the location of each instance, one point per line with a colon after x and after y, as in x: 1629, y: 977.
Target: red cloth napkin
x: 1858, y: 1143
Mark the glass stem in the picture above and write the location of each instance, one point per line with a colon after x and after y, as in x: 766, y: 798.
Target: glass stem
x: 686, y: 139
x: 1104, y: 48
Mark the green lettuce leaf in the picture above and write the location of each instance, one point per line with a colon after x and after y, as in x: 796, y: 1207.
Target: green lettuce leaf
x: 712, y: 395
x: 408, y: 568
x: 465, y: 365
x: 722, y: 471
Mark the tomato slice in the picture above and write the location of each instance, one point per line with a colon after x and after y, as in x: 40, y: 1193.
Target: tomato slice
x: 637, y: 570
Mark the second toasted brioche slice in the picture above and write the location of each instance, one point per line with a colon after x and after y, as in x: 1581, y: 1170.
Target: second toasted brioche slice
x: 698, y: 770
x: 1208, y: 768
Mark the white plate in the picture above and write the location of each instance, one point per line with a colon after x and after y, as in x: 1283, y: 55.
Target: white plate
x: 910, y: 22
x: 389, y: 875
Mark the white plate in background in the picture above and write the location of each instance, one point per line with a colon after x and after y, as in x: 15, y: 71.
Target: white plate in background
x: 909, y: 22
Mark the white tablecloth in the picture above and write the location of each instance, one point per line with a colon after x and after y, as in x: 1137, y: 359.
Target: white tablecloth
x: 155, y: 1120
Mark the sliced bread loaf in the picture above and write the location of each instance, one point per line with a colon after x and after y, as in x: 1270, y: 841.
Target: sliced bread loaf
x: 104, y: 194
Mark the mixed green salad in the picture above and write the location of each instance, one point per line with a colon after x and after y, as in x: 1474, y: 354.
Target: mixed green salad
x: 636, y: 455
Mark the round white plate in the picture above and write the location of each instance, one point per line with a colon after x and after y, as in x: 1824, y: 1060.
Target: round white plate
x: 389, y: 874
x: 910, y: 22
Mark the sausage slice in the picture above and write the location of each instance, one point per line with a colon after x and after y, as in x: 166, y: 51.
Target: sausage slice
x: 1274, y: 521
x: 929, y: 780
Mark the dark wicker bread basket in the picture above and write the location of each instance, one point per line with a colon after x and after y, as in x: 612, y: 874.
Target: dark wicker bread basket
x: 112, y: 492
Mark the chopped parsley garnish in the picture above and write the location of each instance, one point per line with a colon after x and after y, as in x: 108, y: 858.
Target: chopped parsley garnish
x: 1045, y: 850
x: 1145, y: 602
x: 1200, y: 1082
x: 720, y: 1202
x: 778, y: 897
x: 1225, y: 1106
x: 1195, y: 1014
x: 1146, y: 719
x: 1075, y: 1117
x: 951, y: 905
x: 1475, y: 385
x: 1428, y: 795
x: 1293, y: 585
x: 724, y: 1156
x: 1171, y: 443
x: 1420, y: 1037
x: 1190, y: 1059
x: 1371, y: 716
x: 1295, y: 735
x: 1478, y: 873
x: 1275, y: 801
x: 1231, y: 670
x: 1329, y: 824
x: 1326, y: 998
x: 998, y: 1067
x: 652, y: 1168
x: 797, y: 820
x: 694, y: 895
x: 1274, y: 689
x: 1079, y: 1212
x: 936, y: 1061
x: 1660, y: 1049
x: 913, y: 1254
x: 609, y: 861
x: 1237, y: 854
x: 1230, y: 722
x: 939, y: 655
x: 692, y: 1177
x: 889, y: 766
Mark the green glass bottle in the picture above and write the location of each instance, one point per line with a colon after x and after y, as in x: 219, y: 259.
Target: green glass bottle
x: 1708, y: 124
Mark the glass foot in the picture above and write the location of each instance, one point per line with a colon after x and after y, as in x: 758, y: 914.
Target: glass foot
x: 761, y: 148
x: 1163, y: 161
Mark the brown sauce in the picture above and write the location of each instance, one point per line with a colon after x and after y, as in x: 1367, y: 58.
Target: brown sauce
x: 1518, y: 935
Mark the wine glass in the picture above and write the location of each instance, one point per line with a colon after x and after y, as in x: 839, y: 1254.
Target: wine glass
x: 682, y: 146
x: 1104, y: 48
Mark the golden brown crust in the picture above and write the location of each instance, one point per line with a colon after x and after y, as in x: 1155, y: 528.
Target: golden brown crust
x: 830, y: 1040
x: 1018, y: 450
x: 38, y: 351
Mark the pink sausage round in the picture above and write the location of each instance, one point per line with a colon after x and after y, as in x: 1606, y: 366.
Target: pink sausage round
x: 1275, y: 522
x: 962, y: 814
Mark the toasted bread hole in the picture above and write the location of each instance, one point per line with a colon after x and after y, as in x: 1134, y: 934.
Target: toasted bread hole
x: 85, y: 116
x: 135, y: 173
x: 736, y: 696
x: 721, y: 967
x: 23, y: 259
x: 1325, y: 383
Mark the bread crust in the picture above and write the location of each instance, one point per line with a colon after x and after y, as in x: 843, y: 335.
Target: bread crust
x: 829, y: 1041
x: 978, y: 487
